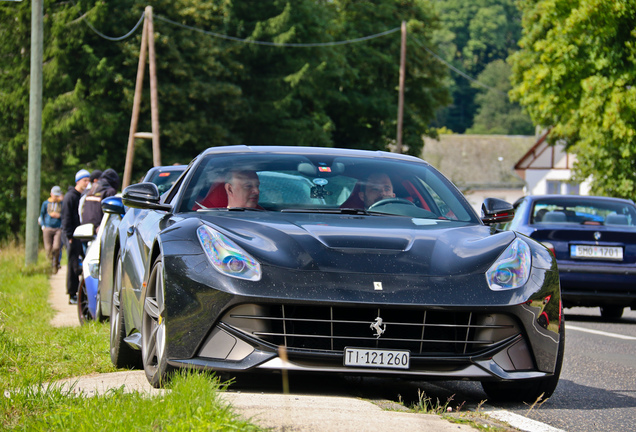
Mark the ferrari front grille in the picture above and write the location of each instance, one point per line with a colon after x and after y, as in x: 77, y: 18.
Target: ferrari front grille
x: 332, y: 328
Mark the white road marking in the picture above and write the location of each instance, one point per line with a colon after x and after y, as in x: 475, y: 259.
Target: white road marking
x: 520, y: 422
x: 598, y: 332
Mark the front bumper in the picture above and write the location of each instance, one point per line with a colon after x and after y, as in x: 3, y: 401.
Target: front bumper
x: 202, y: 332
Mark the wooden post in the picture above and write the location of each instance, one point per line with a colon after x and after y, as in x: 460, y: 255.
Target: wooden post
x: 35, y: 134
x: 154, y: 98
x: 130, y: 152
x: 147, y: 44
x: 398, y: 147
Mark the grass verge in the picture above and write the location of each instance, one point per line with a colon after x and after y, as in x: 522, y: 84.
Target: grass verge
x: 32, y: 353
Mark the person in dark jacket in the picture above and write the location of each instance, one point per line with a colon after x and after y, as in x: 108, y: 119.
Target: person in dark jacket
x: 106, y: 187
x: 70, y: 221
x: 92, y: 183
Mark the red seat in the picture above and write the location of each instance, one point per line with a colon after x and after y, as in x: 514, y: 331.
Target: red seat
x: 354, y: 200
x: 216, y: 197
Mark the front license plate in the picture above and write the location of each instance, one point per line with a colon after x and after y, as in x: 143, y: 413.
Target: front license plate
x: 391, y: 359
x: 596, y: 252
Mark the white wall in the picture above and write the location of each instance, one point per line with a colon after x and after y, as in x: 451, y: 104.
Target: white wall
x: 536, y: 181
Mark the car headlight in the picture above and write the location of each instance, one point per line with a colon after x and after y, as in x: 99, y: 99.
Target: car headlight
x: 228, y: 258
x: 512, y: 268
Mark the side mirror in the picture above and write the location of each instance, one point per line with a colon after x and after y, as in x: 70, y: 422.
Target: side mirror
x: 144, y: 196
x: 494, y: 210
x: 113, y: 205
x: 85, y: 232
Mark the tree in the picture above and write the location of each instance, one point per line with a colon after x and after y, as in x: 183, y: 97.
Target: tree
x: 473, y: 33
x: 14, y: 110
x: 574, y: 73
x: 496, y: 113
x: 212, y: 91
x: 363, y: 105
x: 344, y: 95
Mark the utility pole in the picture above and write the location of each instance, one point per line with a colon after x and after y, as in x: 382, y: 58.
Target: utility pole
x: 147, y: 44
x: 400, y: 119
x: 35, y: 133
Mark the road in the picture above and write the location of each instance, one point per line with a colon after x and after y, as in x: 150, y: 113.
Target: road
x: 597, y: 390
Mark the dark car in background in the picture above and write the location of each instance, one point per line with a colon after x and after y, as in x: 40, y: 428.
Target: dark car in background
x: 415, y: 285
x: 594, y: 241
x: 163, y: 176
x: 96, y: 282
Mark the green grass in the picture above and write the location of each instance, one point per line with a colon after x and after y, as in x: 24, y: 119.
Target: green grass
x: 32, y: 354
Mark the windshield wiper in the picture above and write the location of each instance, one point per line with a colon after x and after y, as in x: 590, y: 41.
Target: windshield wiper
x: 204, y: 209
x: 245, y: 209
x: 354, y: 211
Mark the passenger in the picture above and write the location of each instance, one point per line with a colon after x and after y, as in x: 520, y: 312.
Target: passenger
x: 242, y: 189
x: 377, y: 187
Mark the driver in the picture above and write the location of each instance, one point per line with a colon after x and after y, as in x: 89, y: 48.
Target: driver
x: 242, y: 189
x: 377, y: 187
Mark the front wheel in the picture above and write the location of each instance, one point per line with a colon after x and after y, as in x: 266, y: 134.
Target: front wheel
x: 83, y: 312
x: 121, y: 354
x: 531, y: 390
x: 153, y: 329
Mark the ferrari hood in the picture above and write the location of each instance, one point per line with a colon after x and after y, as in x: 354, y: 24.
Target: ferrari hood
x: 362, y: 244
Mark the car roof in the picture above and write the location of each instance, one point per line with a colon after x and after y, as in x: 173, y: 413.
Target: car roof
x: 294, y: 150
x: 164, y: 168
x: 579, y: 198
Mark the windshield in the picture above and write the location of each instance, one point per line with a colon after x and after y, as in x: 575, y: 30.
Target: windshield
x: 584, y: 211
x: 318, y: 183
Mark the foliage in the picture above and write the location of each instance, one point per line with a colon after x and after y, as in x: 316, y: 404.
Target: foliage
x: 496, y: 113
x: 192, y: 403
x: 14, y: 112
x: 33, y: 354
x: 472, y: 35
x: 30, y: 349
x: 212, y: 91
x: 369, y: 82
x: 574, y: 74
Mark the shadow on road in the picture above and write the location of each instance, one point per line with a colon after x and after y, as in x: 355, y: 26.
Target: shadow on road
x: 408, y: 393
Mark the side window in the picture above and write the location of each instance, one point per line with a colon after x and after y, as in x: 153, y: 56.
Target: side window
x: 444, y: 210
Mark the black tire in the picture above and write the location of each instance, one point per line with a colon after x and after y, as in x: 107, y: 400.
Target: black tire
x: 153, y: 329
x: 528, y: 391
x: 121, y: 354
x: 83, y: 313
x: 612, y: 312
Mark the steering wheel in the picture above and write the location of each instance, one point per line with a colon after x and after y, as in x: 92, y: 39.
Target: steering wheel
x: 387, y: 201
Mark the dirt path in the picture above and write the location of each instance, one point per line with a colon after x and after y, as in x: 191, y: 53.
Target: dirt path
x: 66, y: 313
